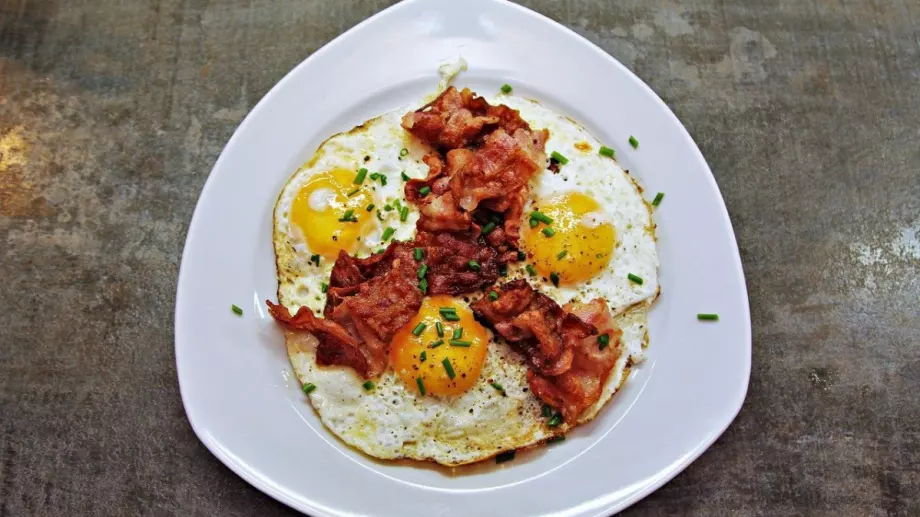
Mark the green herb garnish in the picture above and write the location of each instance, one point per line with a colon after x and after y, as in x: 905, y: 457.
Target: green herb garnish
x: 448, y: 368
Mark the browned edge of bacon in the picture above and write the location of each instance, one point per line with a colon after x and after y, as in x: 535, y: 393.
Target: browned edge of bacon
x: 567, y: 366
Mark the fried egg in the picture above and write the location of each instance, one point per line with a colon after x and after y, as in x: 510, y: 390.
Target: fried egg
x: 601, y: 230
x: 349, y: 197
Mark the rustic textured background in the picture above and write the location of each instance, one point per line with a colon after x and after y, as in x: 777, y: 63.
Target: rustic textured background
x: 113, y: 112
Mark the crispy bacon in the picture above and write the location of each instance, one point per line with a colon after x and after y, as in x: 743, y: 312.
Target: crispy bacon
x: 336, y: 345
x: 491, y: 153
x: 582, y: 384
x: 439, y: 209
x: 373, y: 298
x: 536, y: 325
x: 448, y: 256
x: 503, y: 165
x: 367, y: 302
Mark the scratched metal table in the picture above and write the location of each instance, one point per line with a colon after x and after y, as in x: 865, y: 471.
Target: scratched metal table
x: 112, y: 114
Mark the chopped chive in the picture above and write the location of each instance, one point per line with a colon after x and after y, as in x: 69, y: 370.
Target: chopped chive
x: 540, y: 216
x: 549, y: 232
x: 559, y: 158
x: 530, y: 269
x: 422, y: 271
x: 606, y: 151
x: 388, y: 208
x: 375, y: 176
x: 436, y: 344
x: 658, y: 197
x: 424, y: 191
x: 554, y: 278
x: 500, y: 388
x: 450, y: 369
x: 422, y: 356
x: 439, y: 328
x: 505, y: 456
x: 404, y: 213
x: 556, y: 439
x: 635, y: 279
x: 324, y: 287
x: 707, y: 317
x: 379, y: 216
x: 380, y: 251
x: 355, y: 191
x: 404, y: 176
x: 348, y: 217
x: 474, y: 265
x: 521, y: 255
x: 633, y: 142
x: 603, y: 340
x: 308, y: 387
x: 458, y: 333
x: 421, y: 385
x: 314, y: 259
x: 447, y: 309
x: 547, y: 411
x: 417, y: 331
x: 488, y: 228
x: 506, y: 88
x: 236, y: 310
x: 387, y: 233
x: 534, y: 223
x: 418, y: 253
x: 369, y: 385
x: 460, y: 343
x: 359, y: 179
x: 383, y: 180
x: 397, y: 205
x: 370, y: 207
x: 450, y: 316
x: 423, y: 285
x: 403, y: 151
x: 556, y: 420
x: 561, y: 254
x: 493, y: 295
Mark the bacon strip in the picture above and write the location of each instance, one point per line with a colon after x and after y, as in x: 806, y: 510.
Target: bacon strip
x: 336, y: 345
x: 373, y: 298
x: 491, y: 154
x: 536, y: 325
x: 582, y: 384
x: 448, y: 256
x: 367, y: 302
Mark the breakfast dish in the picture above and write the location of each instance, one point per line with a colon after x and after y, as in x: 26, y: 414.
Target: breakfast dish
x: 246, y: 403
x: 462, y: 279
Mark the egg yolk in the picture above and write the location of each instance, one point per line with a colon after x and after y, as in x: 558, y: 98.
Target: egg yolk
x: 331, y: 211
x: 439, y: 361
x: 579, y: 243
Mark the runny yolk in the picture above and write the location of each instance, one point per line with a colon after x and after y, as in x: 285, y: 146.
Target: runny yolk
x: 406, y: 349
x: 581, y: 243
x: 321, y: 206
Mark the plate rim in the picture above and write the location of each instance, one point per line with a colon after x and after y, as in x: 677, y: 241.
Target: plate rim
x: 284, y: 496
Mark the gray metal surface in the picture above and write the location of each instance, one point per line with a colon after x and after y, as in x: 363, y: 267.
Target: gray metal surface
x: 112, y: 114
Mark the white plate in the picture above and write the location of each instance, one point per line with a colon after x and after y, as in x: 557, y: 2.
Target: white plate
x: 233, y: 372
